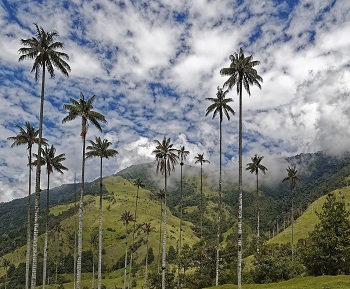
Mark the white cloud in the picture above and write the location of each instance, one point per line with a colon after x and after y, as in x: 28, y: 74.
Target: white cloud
x: 152, y: 64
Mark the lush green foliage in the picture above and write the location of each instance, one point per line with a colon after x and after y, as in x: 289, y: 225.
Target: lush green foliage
x: 327, y: 250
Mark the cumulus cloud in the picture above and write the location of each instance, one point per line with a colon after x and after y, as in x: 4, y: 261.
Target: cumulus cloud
x: 152, y: 64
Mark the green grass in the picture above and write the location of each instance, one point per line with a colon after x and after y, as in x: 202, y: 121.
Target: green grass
x: 322, y: 282
x: 307, y: 221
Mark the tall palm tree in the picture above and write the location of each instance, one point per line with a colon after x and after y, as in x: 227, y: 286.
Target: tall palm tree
x: 126, y: 218
x: 182, y: 154
x: 293, y: 179
x: 43, y: 49
x: 200, y: 159
x: 100, y: 148
x: 147, y: 229
x: 84, y: 109
x: 160, y: 196
x: 242, y: 74
x: 254, y: 167
x: 167, y: 158
x: 29, y: 136
x: 220, y: 105
x: 53, y: 163
x: 139, y: 184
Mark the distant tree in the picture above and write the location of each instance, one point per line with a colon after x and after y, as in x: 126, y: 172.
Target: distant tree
x: 293, y: 179
x: 200, y: 159
x: 100, y: 148
x: 27, y: 136
x: 139, y: 184
x: 43, y: 49
x: 327, y: 249
x: 182, y: 154
x: 53, y: 163
x: 166, y: 160
x: 220, y: 105
x: 242, y: 74
x: 254, y: 167
x: 84, y: 109
x: 126, y: 218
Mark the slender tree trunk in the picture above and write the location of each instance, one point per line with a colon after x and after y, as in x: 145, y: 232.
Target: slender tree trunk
x: 99, y: 277
x: 133, y: 236
x: 28, y: 217
x: 80, y: 225
x: 75, y: 233
x: 180, y: 233
x: 164, y: 232
x: 46, y: 229
x: 126, y: 255
x: 160, y: 234
x: 37, y: 184
x: 240, y: 196
x: 201, y: 205
x: 257, y: 205
x: 219, y: 215
x: 293, y: 231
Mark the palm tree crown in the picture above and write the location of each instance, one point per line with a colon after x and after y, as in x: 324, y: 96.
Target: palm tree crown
x: 52, y: 161
x: 220, y: 105
x: 256, y: 165
x: 241, y: 72
x: 27, y: 135
x: 165, y: 155
x: 138, y: 183
x: 200, y: 159
x: 182, y: 154
x: 292, y: 177
x: 100, y: 148
x: 84, y: 109
x: 43, y: 50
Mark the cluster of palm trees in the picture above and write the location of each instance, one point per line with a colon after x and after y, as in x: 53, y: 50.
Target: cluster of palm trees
x: 44, y: 50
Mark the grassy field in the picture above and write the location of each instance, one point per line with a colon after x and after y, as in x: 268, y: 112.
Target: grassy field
x: 307, y: 221
x: 322, y: 282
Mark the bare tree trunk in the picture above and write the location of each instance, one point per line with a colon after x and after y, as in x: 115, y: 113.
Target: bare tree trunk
x: 80, y: 225
x: 240, y: 197
x: 37, y: 184
x: 126, y: 254
x: 160, y: 234
x: 99, y: 277
x: 46, y: 229
x: 75, y: 234
x: 28, y: 218
x: 180, y: 233
x: 219, y: 215
x: 164, y: 233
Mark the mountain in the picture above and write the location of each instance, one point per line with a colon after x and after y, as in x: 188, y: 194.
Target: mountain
x: 319, y: 173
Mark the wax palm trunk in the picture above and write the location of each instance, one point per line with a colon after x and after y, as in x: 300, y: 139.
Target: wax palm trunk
x: 37, y: 184
x: 160, y: 234
x: 219, y: 216
x: 240, y: 196
x: 80, y: 224
x: 99, y: 273
x: 126, y: 254
x: 46, y: 230
x: 180, y: 233
x: 146, y: 262
x: 29, y: 218
x: 164, y: 233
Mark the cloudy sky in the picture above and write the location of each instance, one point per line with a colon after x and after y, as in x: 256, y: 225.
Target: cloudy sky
x: 152, y: 64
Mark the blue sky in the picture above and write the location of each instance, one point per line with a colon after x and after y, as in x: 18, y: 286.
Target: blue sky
x: 151, y: 64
